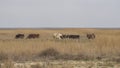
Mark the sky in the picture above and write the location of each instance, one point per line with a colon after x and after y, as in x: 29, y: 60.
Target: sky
x: 59, y: 13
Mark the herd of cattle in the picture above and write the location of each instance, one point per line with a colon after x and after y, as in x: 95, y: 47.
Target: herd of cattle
x: 56, y: 36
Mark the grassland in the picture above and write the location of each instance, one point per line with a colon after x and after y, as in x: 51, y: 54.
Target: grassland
x: 105, y: 45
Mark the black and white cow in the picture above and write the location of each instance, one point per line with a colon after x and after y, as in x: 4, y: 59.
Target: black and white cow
x: 70, y: 36
x: 65, y: 36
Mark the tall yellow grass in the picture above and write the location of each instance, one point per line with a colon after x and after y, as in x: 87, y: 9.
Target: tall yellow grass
x: 106, y: 43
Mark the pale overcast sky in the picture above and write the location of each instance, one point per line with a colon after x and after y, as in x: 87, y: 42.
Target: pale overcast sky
x: 59, y: 13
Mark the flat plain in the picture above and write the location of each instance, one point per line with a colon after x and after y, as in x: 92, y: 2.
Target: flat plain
x: 101, y: 52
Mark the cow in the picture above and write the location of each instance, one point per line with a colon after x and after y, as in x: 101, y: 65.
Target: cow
x: 74, y: 36
x: 91, y: 36
x: 33, y: 36
x: 64, y: 36
x: 19, y: 36
x: 57, y: 35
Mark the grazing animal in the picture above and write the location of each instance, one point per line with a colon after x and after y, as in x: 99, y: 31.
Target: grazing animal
x: 65, y: 36
x: 33, y: 36
x: 70, y: 36
x: 91, y: 36
x: 57, y: 35
x: 19, y: 36
x: 74, y: 36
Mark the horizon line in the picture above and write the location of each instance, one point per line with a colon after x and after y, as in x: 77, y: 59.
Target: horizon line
x: 61, y: 28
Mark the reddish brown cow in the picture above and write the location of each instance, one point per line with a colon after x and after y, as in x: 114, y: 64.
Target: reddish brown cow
x: 91, y: 36
x: 33, y: 36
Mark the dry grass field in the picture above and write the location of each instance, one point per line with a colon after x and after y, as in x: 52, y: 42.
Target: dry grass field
x: 106, y: 45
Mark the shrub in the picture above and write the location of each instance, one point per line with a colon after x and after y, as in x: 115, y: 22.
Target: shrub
x: 36, y: 66
x: 49, y: 53
x: 3, y: 56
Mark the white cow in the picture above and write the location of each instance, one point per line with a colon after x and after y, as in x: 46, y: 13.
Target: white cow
x: 57, y: 35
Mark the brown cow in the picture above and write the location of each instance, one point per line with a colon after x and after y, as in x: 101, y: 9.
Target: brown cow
x: 33, y: 36
x: 19, y: 36
x: 91, y: 36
